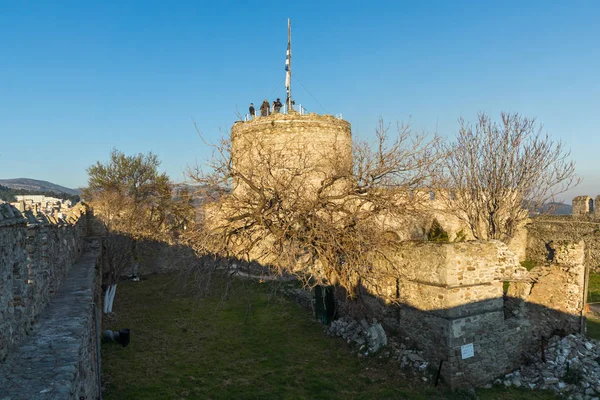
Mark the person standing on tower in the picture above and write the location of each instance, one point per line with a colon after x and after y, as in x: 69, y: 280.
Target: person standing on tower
x: 265, y: 108
x: 252, y: 111
x: 277, y: 105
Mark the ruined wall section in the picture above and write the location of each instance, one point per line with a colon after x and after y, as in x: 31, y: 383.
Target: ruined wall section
x: 582, y: 206
x: 35, y: 258
x: 437, y: 206
x: 544, y: 230
x: 555, y: 295
x: 450, y: 295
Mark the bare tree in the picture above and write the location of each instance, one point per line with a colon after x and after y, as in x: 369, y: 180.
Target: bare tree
x: 322, y: 217
x: 497, y: 172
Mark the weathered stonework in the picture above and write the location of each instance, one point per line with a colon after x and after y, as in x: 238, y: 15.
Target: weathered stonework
x: 58, y: 357
x: 544, y: 230
x: 582, y: 206
x: 35, y: 258
x: 442, y: 296
x: 314, y: 144
x: 445, y: 296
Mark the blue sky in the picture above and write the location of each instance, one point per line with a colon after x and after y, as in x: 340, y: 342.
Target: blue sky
x: 78, y: 78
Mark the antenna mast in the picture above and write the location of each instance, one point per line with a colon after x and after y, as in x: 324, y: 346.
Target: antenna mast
x: 288, y: 68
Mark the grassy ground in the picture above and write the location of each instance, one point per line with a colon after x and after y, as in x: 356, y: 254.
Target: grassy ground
x: 252, y: 346
x: 594, y: 288
x: 593, y: 328
x: 593, y: 324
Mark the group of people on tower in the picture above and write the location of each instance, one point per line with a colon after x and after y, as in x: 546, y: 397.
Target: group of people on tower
x: 265, y: 108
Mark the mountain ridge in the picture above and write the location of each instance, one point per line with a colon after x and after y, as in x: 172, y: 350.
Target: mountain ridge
x: 37, y: 185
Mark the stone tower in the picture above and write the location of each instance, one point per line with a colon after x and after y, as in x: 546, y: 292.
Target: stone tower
x: 268, y: 148
x: 582, y: 206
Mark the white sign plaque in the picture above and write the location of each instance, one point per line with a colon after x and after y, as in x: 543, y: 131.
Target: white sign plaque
x: 467, y: 351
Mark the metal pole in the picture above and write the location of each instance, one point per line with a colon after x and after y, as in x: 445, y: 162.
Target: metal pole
x: 288, y: 77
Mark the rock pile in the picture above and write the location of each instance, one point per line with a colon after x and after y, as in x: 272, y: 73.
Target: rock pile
x: 370, y: 337
x: 572, y: 368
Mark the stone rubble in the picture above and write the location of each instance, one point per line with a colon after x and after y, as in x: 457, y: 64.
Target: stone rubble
x: 572, y: 369
x: 369, y: 338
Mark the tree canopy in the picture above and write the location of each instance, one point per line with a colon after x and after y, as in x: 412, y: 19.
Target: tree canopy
x: 132, y: 197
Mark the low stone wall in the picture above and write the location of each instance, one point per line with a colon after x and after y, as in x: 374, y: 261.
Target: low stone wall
x: 543, y: 230
x: 35, y: 258
x: 448, y: 300
x: 57, y: 359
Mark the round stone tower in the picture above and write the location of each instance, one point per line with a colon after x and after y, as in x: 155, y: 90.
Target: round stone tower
x: 277, y: 147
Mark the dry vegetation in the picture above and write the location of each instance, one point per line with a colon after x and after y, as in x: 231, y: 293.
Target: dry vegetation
x: 319, y: 220
x: 134, y: 201
x: 498, y: 172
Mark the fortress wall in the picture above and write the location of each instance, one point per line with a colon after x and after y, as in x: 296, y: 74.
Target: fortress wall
x: 437, y: 206
x: 161, y: 257
x: 450, y: 295
x: 544, y: 230
x: 58, y: 358
x: 582, y: 206
x: 35, y: 258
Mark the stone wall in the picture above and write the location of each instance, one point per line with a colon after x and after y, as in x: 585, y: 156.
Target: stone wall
x: 544, y: 230
x: 582, y: 206
x: 57, y: 359
x: 448, y: 296
x: 437, y: 206
x: 35, y: 258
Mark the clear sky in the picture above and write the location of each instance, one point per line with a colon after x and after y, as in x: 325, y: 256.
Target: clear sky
x: 78, y: 78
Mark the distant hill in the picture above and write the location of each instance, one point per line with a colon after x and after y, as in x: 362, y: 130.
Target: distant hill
x: 555, y: 208
x: 561, y: 208
x: 33, y: 185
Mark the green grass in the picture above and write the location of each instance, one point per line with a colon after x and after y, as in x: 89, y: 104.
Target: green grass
x: 594, y: 288
x: 528, y: 264
x: 593, y: 328
x: 252, y: 346
x: 593, y: 325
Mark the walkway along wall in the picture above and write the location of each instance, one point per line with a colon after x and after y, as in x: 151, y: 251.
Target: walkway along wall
x: 47, y: 317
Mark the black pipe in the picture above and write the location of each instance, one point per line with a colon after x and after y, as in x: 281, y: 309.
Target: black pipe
x: 543, y: 349
x: 437, y: 378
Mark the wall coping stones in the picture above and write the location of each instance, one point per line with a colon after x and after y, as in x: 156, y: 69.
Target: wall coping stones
x: 10, y: 215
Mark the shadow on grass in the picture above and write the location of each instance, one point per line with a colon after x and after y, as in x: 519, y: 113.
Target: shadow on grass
x: 252, y: 346
x: 593, y: 328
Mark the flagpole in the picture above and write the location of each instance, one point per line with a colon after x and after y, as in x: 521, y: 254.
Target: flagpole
x: 288, y: 64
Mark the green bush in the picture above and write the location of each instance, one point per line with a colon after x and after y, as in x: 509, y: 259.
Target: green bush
x: 461, y: 236
x: 528, y: 264
x: 437, y: 233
